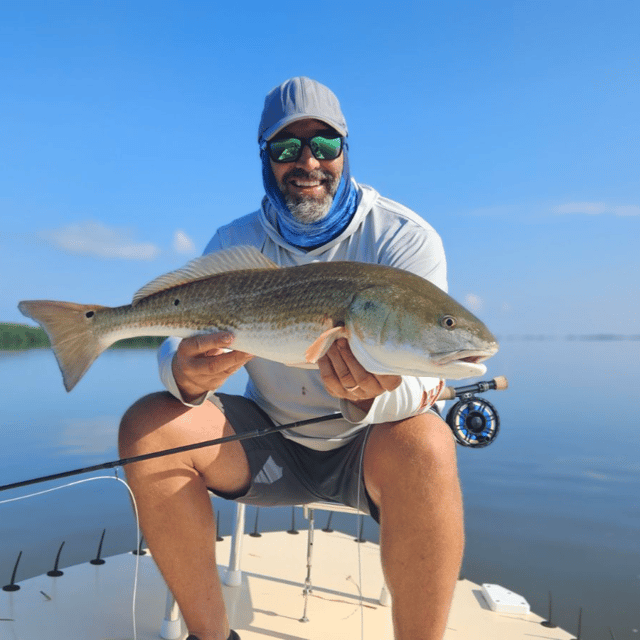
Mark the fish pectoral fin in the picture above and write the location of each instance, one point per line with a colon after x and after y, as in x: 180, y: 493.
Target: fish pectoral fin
x: 322, y: 343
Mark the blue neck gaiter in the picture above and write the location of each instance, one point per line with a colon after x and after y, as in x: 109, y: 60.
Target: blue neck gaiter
x: 307, y: 236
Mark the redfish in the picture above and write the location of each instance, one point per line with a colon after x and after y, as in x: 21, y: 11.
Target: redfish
x: 396, y: 322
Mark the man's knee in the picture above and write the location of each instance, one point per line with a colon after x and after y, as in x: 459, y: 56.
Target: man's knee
x: 145, y: 416
x: 415, y: 450
x: 421, y: 437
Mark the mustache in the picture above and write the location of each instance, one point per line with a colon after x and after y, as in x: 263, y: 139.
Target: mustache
x: 317, y: 174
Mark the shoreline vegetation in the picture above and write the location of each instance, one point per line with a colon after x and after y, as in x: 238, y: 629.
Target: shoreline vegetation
x: 20, y: 337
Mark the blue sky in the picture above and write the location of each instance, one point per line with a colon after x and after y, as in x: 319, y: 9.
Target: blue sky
x: 128, y: 135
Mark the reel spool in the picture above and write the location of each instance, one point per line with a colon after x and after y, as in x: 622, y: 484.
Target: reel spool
x: 474, y: 422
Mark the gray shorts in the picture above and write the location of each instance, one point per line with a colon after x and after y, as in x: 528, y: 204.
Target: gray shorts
x: 284, y: 472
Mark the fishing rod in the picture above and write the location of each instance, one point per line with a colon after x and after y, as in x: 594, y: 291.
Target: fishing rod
x: 483, y: 418
x: 256, y: 433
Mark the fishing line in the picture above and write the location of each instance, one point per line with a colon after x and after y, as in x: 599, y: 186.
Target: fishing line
x: 135, y: 509
x: 156, y: 454
x: 361, y: 481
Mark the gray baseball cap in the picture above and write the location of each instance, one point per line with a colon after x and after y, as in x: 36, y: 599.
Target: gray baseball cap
x: 298, y: 99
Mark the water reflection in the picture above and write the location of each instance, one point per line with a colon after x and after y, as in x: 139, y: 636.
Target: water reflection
x: 74, y: 435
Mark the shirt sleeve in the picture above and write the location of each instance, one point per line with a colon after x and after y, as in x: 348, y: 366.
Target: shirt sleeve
x: 413, y: 397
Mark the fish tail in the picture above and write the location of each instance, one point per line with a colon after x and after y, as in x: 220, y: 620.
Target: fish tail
x: 72, y: 332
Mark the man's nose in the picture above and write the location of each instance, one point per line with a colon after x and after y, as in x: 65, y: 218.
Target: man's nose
x: 307, y: 160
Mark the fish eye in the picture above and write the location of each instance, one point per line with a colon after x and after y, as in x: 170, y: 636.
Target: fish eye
x: 448, y: 322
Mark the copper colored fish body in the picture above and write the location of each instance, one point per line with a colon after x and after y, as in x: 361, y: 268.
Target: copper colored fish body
x: 395, y: 321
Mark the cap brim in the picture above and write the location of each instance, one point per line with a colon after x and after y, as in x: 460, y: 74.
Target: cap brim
x: 276, y: 128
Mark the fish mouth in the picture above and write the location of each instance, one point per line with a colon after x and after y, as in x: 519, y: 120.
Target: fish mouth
x: 467, y: 356
x: 462, y: 364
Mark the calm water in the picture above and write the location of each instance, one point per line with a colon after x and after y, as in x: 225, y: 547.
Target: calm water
x: 552, y: 505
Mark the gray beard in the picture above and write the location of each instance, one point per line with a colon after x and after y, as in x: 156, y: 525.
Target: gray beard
x: 309, y: 210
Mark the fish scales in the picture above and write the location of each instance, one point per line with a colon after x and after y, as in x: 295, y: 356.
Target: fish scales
x: 267, y: 297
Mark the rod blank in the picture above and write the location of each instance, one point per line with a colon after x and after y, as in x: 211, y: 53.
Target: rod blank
x: 256, y: 433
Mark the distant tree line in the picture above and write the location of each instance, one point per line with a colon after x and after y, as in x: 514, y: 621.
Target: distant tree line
x: 18, y: 337
x: 15, y: 337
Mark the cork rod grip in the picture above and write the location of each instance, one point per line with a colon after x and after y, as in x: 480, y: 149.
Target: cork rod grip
x: 499, y: 383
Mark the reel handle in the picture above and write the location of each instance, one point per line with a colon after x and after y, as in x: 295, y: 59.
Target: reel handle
x: 499, y: 383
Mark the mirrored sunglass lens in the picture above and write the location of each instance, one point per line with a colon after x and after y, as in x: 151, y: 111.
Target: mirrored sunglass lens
x: 325, y: 148
x: 284, y: 150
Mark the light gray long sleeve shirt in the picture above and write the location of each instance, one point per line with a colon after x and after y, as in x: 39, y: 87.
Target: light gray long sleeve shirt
x: 381, y: 232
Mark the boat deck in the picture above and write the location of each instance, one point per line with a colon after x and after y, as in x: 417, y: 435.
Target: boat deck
x: 92, y: 602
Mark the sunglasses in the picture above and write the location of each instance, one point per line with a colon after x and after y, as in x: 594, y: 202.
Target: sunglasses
x: 290, y: 149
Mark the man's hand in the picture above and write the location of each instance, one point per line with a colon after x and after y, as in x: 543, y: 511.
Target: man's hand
x: 344, y: 377
x: 202, y: 363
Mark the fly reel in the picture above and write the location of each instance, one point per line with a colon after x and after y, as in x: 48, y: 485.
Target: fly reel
x: 473, y: 421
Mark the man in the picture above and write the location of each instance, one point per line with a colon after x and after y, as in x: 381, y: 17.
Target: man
x: 390, y: 455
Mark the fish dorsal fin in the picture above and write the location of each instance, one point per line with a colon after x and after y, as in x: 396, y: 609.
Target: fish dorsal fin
x: 234, y: 259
